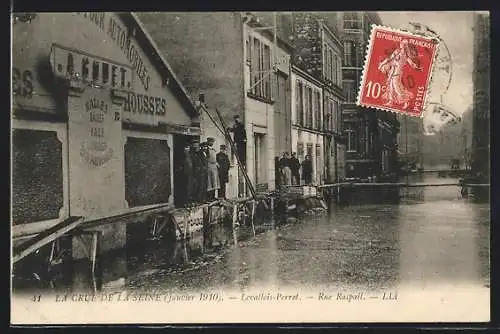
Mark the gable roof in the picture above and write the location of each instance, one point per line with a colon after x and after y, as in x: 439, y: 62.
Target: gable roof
x: 155, y: 55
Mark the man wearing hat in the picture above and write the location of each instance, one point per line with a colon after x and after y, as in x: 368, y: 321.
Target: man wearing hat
x: 188, y: 174
x: 212, y: 172
x: 224, y: 165
x: 240, y: 139
x: 200, y: 172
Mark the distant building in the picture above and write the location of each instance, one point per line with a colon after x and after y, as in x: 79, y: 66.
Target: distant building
x: 317, y: 64
x: 371, y: 135
x: 307, y: 121
x: 481, y: 98
x: 232, y: 59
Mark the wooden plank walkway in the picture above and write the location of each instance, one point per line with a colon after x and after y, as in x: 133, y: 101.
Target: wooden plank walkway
x: 46, y: 237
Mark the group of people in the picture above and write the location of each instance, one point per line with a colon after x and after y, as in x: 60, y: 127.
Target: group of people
x: 289, y: 168
x: 205, y: 172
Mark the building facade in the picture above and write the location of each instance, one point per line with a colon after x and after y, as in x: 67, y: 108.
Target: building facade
x: 307, y: 122
x: 371, y: 135
x: 481, y: 99
x: 229, y: 57
x: 97, y: 118
x: 318, y: 53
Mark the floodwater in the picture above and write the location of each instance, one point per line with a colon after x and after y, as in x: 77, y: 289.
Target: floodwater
x: 432, y: 235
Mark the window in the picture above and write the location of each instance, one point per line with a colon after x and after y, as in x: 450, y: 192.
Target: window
x: 351, y: 140
x: 249, y: 51
x: 260, y: 69
x: 349, y: 91
x: 338, y: 117
x: 339, y: 70
x: 334, y: 116
x: 349, y: 54
x: 367, y: 139
x: 300, y: 151
x: 318, y: 110
x: 38, y: 176
x: 325, y: 60
x: 327, y: 116
x: 351, y: 21
x: 309, y: 106
x: 332, y: 66
x: 299, y: 103
x: 147, y: 170
x: 267, y: 71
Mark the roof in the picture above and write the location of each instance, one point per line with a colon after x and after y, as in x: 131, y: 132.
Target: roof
x: 307, y: 76
x: 253, y: 23
x: 155, y: 55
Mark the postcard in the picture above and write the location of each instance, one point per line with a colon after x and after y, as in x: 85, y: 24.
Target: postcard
x: 250, y: 167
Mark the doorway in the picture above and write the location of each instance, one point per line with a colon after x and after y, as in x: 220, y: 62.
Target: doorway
x: 260, y: 160
x: 180, y: 142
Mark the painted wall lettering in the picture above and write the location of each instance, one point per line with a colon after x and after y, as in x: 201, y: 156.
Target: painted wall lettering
x: 138, y: 103
x: 96, y: 151
x: 22, y: 83
x: 92, y: 69
x: 122, y: 38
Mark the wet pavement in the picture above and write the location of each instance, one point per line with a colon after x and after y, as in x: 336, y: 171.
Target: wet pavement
x: 432, y: 236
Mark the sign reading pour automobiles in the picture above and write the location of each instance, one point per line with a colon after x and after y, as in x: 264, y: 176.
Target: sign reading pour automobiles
x: 95, y: 154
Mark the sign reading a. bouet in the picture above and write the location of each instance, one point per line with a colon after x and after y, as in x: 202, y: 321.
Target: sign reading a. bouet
x: 104, y: 73
x: 90, y: 69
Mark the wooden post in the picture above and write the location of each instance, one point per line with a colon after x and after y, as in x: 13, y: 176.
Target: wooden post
x: 235, y: 217
x: 253, y: 215
x: 94, y: 249
x: 184, y: 238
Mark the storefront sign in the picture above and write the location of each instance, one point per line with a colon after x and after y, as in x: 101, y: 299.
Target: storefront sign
x: 95, y: 154
x: 95, y: 151
x: 91, y: 69
x: 120, y: 35
x: 144, y: 104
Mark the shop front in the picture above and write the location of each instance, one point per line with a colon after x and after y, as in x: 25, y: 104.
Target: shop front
x: 98, y: 119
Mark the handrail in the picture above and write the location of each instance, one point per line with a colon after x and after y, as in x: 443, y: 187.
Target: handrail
x: 45, y: 237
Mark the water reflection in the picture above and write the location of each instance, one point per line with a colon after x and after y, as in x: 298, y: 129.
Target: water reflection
x: 432, y: 237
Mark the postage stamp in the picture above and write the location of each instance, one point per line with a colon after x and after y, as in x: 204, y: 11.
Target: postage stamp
x: 397, y: 71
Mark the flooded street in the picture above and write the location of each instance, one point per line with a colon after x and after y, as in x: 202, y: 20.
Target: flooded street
x: 441, y: 239
x: 432, y: 236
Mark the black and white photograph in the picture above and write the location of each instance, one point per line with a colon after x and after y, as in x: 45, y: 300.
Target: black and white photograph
x: 217, y: 167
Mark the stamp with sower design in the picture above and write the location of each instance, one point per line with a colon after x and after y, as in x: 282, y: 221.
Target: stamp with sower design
x: 397, y: 71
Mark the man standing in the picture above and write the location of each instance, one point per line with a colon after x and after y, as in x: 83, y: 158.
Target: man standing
x: 295, y: 167
x: 307, y: 170
x: 286, y: 172
x: 240, y: 139
x: 188, y: 175
x: 224, y: 165
x: 212, y: 172
x: 199, y: 171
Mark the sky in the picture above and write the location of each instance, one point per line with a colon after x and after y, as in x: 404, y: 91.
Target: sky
x: 455, y: 29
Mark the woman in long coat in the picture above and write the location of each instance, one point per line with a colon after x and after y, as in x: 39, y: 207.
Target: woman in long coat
x: 212, y: 171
